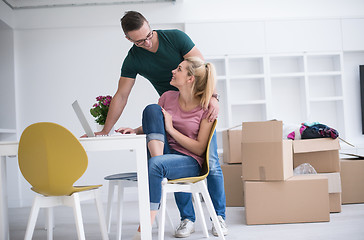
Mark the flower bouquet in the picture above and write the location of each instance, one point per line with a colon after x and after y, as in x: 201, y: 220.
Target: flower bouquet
x: 100, y: 108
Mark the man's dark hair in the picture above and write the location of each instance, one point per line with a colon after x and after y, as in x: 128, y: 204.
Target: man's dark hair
x: 131, y: 21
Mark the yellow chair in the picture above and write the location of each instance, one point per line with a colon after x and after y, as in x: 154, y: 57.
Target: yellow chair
x: 194, y: 185
x: 52, y: 159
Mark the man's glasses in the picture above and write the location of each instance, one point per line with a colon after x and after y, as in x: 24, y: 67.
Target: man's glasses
x: 142, y: 41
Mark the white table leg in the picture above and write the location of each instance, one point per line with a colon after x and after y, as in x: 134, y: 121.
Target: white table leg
x: 143, y: 191
x: 4, y: 221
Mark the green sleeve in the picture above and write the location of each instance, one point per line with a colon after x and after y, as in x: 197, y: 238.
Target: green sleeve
x: 183, y: 42
x: 128, y: 69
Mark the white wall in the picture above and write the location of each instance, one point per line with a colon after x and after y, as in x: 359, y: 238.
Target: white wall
x: 6, y: 14
x: 63, y: 54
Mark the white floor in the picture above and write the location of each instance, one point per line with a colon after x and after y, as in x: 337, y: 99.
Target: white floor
x: 347, y: 225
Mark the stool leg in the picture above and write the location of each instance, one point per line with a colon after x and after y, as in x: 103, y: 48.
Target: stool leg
x: 109, y: 204
x: 120, y: 208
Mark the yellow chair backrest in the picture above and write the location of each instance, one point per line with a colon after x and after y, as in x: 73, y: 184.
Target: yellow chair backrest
x: 205, y: 166
x: 51, y: 159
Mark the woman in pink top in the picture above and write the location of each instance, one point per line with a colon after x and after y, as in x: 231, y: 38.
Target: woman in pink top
x: 177, y: 128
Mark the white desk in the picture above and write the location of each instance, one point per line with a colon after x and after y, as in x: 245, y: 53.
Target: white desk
x: 135, y: 143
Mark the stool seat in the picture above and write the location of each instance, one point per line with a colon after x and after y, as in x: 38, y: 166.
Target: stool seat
x: 131, y: 176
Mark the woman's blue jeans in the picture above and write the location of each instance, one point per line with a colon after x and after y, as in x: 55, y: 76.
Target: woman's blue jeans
x: 153, y: 122
x: 170, y: 165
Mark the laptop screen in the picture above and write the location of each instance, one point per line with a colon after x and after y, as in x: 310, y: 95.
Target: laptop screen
x: 81, y: 117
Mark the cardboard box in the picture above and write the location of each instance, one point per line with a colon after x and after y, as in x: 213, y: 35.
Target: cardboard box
x: 321, y: 153
x: 265, y: 155
x: 231, y: 140
x: 352, y: 179
x: 334, y: 182
x: 335, y: 202
x: 302, y: 198
x: 234, y: 191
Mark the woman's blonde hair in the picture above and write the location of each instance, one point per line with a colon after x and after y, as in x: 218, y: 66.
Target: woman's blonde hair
x: 205, y: 77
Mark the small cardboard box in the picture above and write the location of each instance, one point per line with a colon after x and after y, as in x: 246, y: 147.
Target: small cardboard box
x: 302, y: 198
x: 352, y: 179
x: 231, y: 140
x: 265, y: 155
x: 234, y: 191
x: 321, y: 153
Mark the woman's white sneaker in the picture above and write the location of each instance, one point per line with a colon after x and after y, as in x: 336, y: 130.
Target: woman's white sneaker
x: 223, y: 227
x: 185, y: 228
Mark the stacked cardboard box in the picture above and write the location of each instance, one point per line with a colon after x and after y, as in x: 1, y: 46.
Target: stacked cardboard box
x: 234, y: 189
x: 231, y: 139
x: 232, y: 167
x: 352, y: 179
x: 323, y: 155
x: 272, y: 194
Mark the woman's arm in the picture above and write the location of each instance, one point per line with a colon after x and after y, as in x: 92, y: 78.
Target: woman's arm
x: 197, y: 146
x: 126, y: 130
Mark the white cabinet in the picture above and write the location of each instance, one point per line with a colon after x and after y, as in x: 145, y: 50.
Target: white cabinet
x: 294, y: 88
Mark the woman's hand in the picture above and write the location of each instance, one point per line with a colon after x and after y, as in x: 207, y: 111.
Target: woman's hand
x: 126, y: 130
x: 167, y: 120
x: 213, y: 109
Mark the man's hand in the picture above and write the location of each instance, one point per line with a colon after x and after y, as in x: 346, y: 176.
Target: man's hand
x: 213, y: 109
x: 102, y: 133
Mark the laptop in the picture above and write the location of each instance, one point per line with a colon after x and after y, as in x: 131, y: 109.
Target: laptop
x: 81, y: 117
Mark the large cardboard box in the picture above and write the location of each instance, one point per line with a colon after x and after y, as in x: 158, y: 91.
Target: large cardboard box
x: 265, y: 155
x: 321, y: 153
x: 231, y: 140
x: 352, y: 180
x: 302, y: 198
x: 234, y: 191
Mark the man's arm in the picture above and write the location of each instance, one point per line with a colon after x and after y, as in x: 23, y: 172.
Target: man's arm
x: 194, y: 52
x: 117, y: 104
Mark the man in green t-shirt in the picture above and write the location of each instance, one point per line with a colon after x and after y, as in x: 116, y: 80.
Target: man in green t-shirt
x: 154, y: 55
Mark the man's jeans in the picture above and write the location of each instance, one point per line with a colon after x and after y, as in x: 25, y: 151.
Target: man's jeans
x: 152, y: 118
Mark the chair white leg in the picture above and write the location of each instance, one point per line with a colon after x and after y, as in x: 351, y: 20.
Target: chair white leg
x: 49, y: 223
x: 210, y: 208
x: 32, y: 218
x: 100, y: 211
x: 78, y: 216
x: 109, y: 204
x: 168, y: 217
x: 163, y: 214
x: 120, y: 209
x: 170, y: 221
x: 198, y: 207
